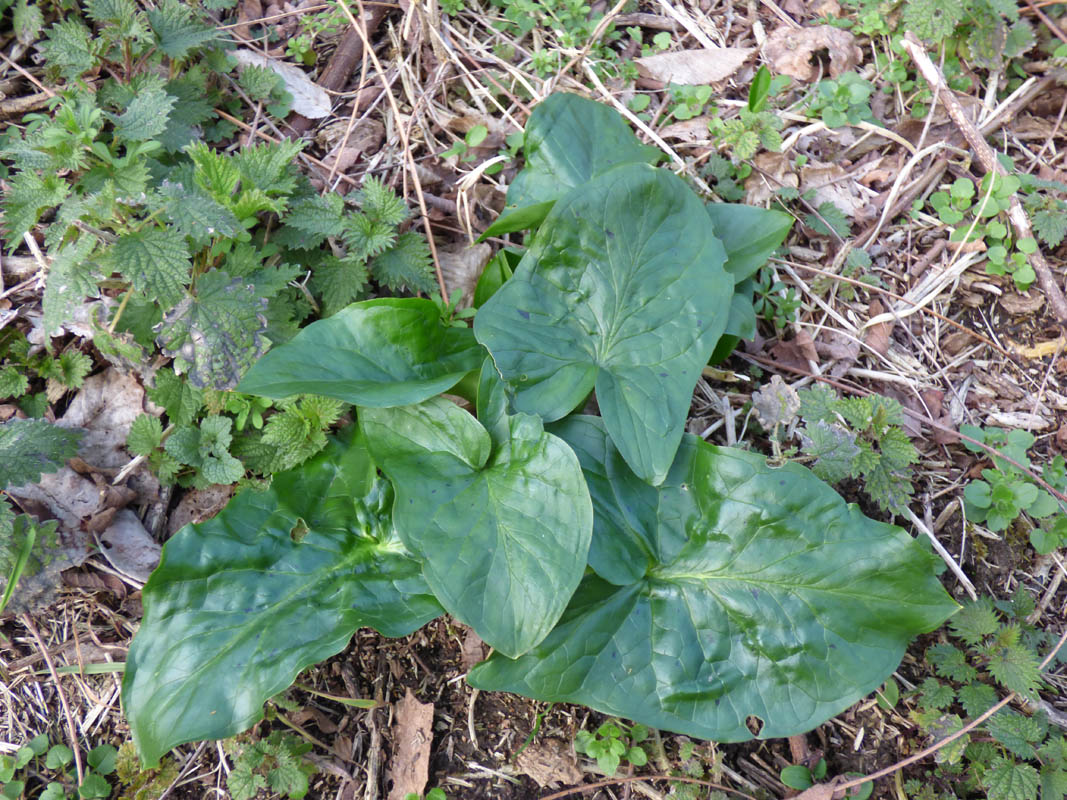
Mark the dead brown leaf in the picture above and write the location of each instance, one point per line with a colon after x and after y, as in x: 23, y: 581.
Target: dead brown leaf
x: 197, y: 505
x: 472, y: 650
x: 877, y: 336
x: 550, y: 763
x: 128, y: 547
x: 789, y: 50
x: 840, y: 349
x: 796, y: 353
x: 412, y: 735
x: 1022, y: 304
x: 461, y: 267
x: 773, y: 171
x: 694, y: 67
x: 830, y: 183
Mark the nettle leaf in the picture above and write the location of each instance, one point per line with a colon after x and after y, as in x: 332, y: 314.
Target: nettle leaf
x: 70, y: 281
x: 29, y: 447
x: 279, y: 580
x: 177, y: 29
x: 734, y: 590
x: 568, y: 140
x: 218, y: 334
x: 750, y: 235
x: 197, y: 214
x: 156, y: 261
x: 632, y: 306
x: 384, y: 352
x: 502, y: 531
x: 146, y: 115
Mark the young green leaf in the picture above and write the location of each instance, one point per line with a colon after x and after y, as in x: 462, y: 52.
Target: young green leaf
x: 237, y: 607
x: 702, y: 614
x: 177, y: 29
x: 750, y: 235
x: 384, y: 352
x: 632, y: 307
x: 156, y: 261
x: 568, y: 141
x: 503, y: 531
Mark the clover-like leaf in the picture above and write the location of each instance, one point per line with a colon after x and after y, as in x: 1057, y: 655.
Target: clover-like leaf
x: 735, y: 590
x: 568, y: 140
x: 502, y: 528
x: 631, y: 304
x: 384, y: 352
x: 279, y: 580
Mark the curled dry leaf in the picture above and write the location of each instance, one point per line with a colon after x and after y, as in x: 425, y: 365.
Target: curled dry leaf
x: 309, y: 99
x: 773, y: 171
x: 197, y: 505
x: 777, y: 403
x: 790, y: 50
x: 694, y: 67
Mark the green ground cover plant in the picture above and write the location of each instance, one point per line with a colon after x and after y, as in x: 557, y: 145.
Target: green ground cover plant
x: 613, y: 561
x: 49, y: 765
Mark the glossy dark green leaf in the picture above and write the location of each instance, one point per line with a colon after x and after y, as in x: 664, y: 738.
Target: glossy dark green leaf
x: 734, y: 590
x: 385, y: 352
x: 500, y: 267
x: 629, y: 303
x: 741, y: 323
x: 749, y: 234
x: 568, y: 140
x: 279, y: 580
x: 502, y: 528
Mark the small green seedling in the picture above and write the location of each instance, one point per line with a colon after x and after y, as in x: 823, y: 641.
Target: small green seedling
x: 462, y: 148
x: 50, y: 764
x: 611, y: 745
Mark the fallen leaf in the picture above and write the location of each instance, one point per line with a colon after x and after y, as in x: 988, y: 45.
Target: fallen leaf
x: 789, y: 50
x: 877, y: 336
x: 549, y: 763
x: 309, y: 99
x: 694, y: 67
x: 197, y: 505
x: 128, y: 547
x: 1018, y: 419
x: 412, y: 735
x: 1061, y: 437
x: 773, y: 171
x: 461, y: 267
x: 106, y: 406
x: 1022, y: 304
x: 796, y: 353
x: 842, y: 350
x: 956, y: 342
x: 472, y: 650
x: 830, y: 183
x: 688, y: 130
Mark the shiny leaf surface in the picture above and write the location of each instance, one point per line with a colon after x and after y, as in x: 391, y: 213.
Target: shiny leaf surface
x: 733, y: 591
x: 279, y: 580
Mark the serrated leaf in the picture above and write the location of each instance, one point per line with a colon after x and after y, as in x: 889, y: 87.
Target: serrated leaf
x: 1050, y: 226
x: 145, y: 117
x: 156, y: 261
x: 28, y: 196
x: 1007, y: 780
x: 502, y: 531
x: 702, y: 613
x: 146, y: 433
x: 819, y: 403
x: 27, y: 20
x: 380, y: 203
x: 123, y: 14
x: 568, y: 140
x: 632, y: 307
x: 834, y: 449
x: 266, y: 166
x: 179, y: 399
x: 976, y: 698
x: 339, y: 281
x: 1017, y: 732
x: 177, y: 29
x: 384, y: 352
x: 12, y: 383
x: 975, y: 621
x: 830, y: 220
x: 238, y: 587
x: 67, y: 50
x: 1016, y: 668
x: 405, y: 265
x: 196, y: 214
x: 935, y: 694
x: 218, y: 334
x: 29, y: 447
x: 70, y: 281
x: 950, y: 662
x: 319, y: 215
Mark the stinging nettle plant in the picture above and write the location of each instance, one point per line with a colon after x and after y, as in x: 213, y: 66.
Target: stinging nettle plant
x: 612, y: 560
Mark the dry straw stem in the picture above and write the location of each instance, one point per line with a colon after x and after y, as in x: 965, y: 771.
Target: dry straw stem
x: 988, y: 161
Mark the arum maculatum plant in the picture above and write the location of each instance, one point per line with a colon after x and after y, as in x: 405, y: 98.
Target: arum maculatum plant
x: 612, y: 560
